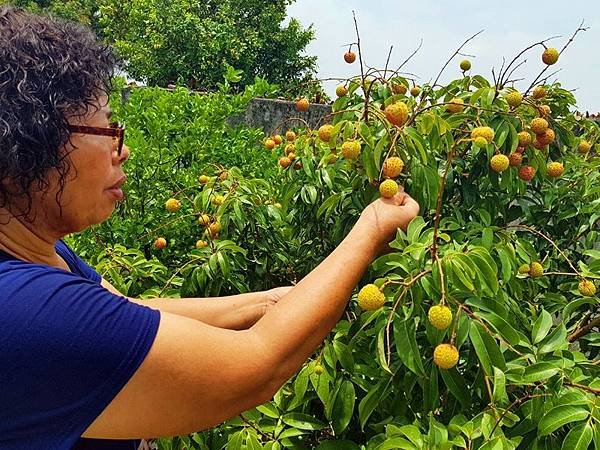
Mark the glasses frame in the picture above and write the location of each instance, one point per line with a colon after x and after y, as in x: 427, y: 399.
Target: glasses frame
x: 115, y: 129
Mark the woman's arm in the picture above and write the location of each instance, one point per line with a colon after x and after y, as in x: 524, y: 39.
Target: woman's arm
x: 234, y: 312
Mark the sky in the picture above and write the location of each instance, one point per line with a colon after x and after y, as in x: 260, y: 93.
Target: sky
x: 509, y: 27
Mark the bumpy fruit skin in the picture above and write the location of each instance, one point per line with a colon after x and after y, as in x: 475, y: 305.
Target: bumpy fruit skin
x: 544, y: 110
x: 415, y: 91
x: 550, y: 56
x: 499, y: 163
x: 388, y: 188
x: 349, y: 57
x: 515, y: 159
x: 524, y: 268
x: 204, y: 219
x: 456, y: 105
x: 520, y: 150
x: 524, y: 138
x: 290, y: 136
x: 584, y: 147
x: 540, y: 145
x: 203, y: 179
x: 160, y: 243
x: 223, y: 175
x: 277, y: 139
x: 514, y: 99
x: 480, y: 141
x: 440, y: 317
x: 587, y: 288
x: 201, y: 244
x: 465, y: 65
x: 325, y: 132
x: 555, y: 169
x: 539, y: 125
x: 341, y: 90
x: 318, y: 369
x: 214, y: 229
x: 392, y: 167
x: 527, y: 173
x: 351, y: 149
x: 397, y: 113
x: 302, y: 105
x: 269, y: 144
x: 289, y: 148
x: 218, y: 200
x: 370, y: 298
x: 547, y: 137
x: 173, y: 205
x: 399, y: 88
x: 539, y: 92
x: 484, y: 132
x: 445, y: 356
x: 536, y: 270
x: 285, y: 162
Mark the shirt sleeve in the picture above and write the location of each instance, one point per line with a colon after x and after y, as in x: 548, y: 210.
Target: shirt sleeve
x: 75, y: 261
x: 67, y: 347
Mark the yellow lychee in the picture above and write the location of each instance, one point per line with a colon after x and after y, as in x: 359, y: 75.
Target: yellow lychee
x: 397, y: 113
x: 456, y: 105
x: 499, y: 163
x: 587, y: 288
x: 555, y: 169
x: 584, y: 147
x: 173, y: 205
x: 485, y: 132
x: 341, y: 90
x: 524, y: 268
x: 290, y: 135
x: 318, y: 369
x: 539, y: 92
x: 415, y: 91
x: 289, y: 148
x: 277, y: 139
x: 480, y: 141
x: 547, y: 137
x: 370, y: 297
x: 465, y: 65
x: 399, y: 88
x: 388, y: 188
x: 440, y: 316
x: 514, y: 98
x: 550, y: 56
x: 201, y: 244
x: 285, y: 162
x: 445, y: 356
x: 351, y: 149
x: 218, y: 200
x: 203, y: 179
x: 539, y: 125
x: 325, y: 132
x: 302, y: 105
x: 515, y: 159
x: 269, y: 144
x: 524, y: 138
x: 536, y: 270
x: 544, y: 110
x: 392, y: 167
x: 204, y: 219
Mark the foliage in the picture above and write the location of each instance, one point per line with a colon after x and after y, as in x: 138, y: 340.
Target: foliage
x: 527, y: 376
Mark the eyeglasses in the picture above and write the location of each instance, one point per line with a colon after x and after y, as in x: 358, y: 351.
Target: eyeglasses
x: 115, y: 130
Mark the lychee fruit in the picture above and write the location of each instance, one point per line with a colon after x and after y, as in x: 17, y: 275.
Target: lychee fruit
x: 524, y: 269
x: 555, y: 169
x: 351, y: 149
x: 547, y: 137
x: 587, y: 288
x: 480, y: 142
x: 440, y: 316
x: 515, y: 159
x: 160, y: 243
x: 302, y: 105
x: 277, y: 139
x: 544, y: 110
x: 325, y: 132
x: 397, y: 113
x: 370, y: 298
x: 536, y: 270
x: 289, y: 148
x: 204, y: 219
x: 485, y: 132
x: 218, y: 200
x: 584, y: 147
x: 201, y: 244
x: 269, y: 144
x: 399, y: 88
x: 285, y: 162
x: 318, y: 369
x: 349, y: 57
x: 415, y: 91
x: 514, y: 98
x: 392, y: 167
x: 445, y: 356
x: 388, y: 188
x: 539, y: 92
x: 526, y: 173
x: 499, y: 163
x: 550, y: 56
x: 173, y: 205
x: 203, y: 179
x: 456, y: 105
x: 524, y: 138
x: 465, y: 65
x: 290, y: 136
x: 539, y: 125
x: 341, y: 90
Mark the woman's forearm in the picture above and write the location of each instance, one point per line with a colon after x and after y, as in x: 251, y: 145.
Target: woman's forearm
x: 292, y: 329
x: 235, y: 312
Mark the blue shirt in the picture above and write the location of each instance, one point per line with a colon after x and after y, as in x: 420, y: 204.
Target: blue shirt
x: 67, y: 347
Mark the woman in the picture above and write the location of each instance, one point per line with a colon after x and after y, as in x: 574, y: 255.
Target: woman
x: 81, y: 366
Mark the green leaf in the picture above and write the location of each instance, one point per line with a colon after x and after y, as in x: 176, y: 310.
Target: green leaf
x: 381, y: 351
x: 486, y: 348
x: 343, y: 407
x: 338, y: 445
x: 499, y: 392
x: 538, y: 372
x: 541, y: 326
x: 456, y: 384
x: 252, y: 443
x: 396, y: 443
x: 370, y: 401
x: 559, y: 416
x: 269, y: 410
x: 501, y: 326
x: 406, y: 345
x: 579, y: 438
x: 302, y: 421
x: 235, y: 440
x: 555, y: 340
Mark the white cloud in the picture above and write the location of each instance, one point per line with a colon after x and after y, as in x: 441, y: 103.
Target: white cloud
x: 443, y: 25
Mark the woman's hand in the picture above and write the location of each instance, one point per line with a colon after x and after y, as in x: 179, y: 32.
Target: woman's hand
x: 382, y: 218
